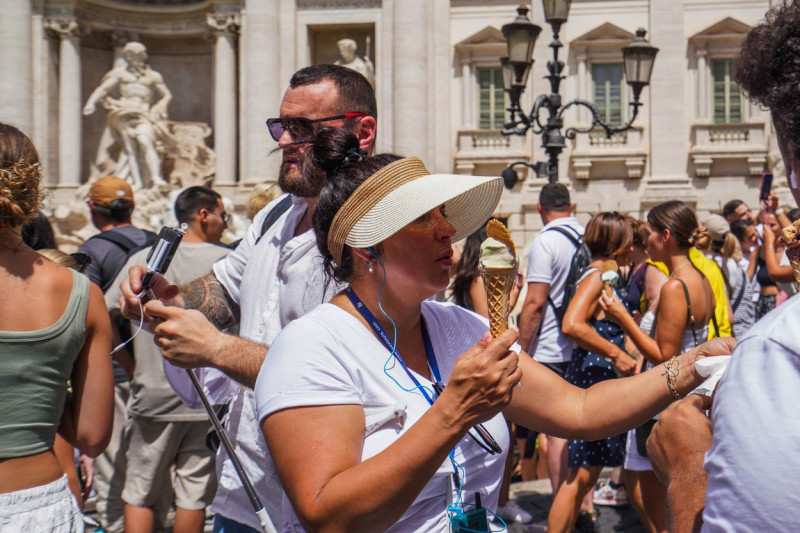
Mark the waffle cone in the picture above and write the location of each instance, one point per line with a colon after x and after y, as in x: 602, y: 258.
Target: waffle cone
x: 498, y: 283
x: 794, y: 258
x: 608, y: 288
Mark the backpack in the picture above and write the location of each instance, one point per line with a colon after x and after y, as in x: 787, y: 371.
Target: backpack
x: 580, y: 260
x: 272, y: 217
x: 127, y: 246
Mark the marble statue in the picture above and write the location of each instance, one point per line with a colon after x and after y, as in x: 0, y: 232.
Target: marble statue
x: 349, y: 59
x: 136, y: 99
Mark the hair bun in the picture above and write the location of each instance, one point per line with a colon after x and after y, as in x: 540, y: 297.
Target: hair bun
x: 700, y: 238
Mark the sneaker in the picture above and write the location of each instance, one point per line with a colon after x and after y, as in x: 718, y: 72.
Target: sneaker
x: 512, y: 512
x: 611, y: 495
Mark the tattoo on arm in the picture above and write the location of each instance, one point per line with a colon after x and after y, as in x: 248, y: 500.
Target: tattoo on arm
x: 208, y: 296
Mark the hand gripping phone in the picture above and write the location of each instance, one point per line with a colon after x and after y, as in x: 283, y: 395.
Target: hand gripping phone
x: 160, y: 256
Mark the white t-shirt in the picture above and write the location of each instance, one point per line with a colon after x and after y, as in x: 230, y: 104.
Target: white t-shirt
x: 549, y: 259
x: 329, y: 357
x: 754, y: 462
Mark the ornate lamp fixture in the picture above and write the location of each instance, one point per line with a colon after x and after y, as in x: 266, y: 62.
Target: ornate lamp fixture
x: 521, y: 34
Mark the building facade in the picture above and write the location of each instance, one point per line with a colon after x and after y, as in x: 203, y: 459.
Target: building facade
x: 438, y: 84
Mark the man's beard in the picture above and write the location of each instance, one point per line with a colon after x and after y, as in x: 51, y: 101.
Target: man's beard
x: 303, y: 184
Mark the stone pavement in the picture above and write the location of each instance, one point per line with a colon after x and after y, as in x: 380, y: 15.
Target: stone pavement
x: 536, y: 497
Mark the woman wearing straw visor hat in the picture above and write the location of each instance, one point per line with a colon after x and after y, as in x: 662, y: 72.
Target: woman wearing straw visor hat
x: 363, y: 435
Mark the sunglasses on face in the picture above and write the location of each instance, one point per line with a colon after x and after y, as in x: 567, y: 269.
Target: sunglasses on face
x: 301, y: 127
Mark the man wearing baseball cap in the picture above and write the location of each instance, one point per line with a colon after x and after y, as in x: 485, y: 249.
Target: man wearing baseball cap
x: 111, y: 204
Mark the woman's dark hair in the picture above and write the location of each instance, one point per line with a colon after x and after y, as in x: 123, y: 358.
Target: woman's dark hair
x: 681, y: 221
x: 336, y: 152
x: 608, y: 234
x: 20, y: 196
x: 738, y: 228
x: 640, y: 232
x: 467, y: 268
x: 768, y: 70
x: 38, y: 233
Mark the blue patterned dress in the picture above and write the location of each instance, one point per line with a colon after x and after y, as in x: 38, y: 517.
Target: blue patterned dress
x: 584, y: 370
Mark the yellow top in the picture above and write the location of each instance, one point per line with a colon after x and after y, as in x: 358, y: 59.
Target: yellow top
x: 711, y: 271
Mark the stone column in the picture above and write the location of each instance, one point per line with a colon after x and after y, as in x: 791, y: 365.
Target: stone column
x: 467, y: 89
x: 16, y: 83
x: 69, y: 100
x: 665, y: 96
x: 224, y: 27
x: 411, y: 83
x: 703, y: 98
x: 260, y: 53
x: 583, y: 83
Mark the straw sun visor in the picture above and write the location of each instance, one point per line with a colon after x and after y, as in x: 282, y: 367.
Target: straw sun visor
x: 469, y: 201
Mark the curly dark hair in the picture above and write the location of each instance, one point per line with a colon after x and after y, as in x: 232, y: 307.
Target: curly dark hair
x: 327, y: 154
x: 768, y: 68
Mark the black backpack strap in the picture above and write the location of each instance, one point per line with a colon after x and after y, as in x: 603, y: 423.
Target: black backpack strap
x: 576, y: 241
x: 691, y: 315
x: 127, y: 246
x: 117, y: 238
x: 275, y: 214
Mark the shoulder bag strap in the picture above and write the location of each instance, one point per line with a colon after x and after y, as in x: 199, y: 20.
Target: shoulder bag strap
x: 689, y: 307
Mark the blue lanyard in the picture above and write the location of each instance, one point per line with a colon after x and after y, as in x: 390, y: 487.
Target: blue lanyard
x: 376, y: 326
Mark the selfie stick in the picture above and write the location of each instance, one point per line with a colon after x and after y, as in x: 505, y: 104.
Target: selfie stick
x: 258, y: 507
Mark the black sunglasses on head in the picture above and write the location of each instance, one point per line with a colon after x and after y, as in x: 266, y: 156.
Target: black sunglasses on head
x: 301, y: 127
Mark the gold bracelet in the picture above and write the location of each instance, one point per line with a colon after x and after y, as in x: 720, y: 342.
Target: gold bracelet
x: 671, y: 371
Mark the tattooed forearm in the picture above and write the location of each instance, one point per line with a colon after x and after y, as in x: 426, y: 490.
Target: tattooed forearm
x: 208, y: 296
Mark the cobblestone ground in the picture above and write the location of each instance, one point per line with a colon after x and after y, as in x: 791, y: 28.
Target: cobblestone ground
x: 536, y: 497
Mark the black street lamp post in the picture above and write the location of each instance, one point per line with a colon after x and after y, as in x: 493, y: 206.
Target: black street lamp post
x: 520, y: 37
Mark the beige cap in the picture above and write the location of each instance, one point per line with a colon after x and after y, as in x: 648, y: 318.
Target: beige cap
x: 109, y: 188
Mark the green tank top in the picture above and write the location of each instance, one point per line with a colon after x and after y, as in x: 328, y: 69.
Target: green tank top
x: 34, y: 369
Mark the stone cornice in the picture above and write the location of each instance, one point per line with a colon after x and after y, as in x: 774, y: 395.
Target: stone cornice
x: 152, y: 17
x: 338, y: 4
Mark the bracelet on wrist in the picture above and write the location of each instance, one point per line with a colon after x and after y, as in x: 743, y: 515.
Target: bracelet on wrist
x: 779, y: 211
x: 671, y: 371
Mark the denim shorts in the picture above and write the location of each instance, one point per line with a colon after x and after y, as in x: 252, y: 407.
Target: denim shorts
x: 49, y: 508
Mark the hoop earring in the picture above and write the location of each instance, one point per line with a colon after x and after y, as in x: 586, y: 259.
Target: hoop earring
x: 371, y: 267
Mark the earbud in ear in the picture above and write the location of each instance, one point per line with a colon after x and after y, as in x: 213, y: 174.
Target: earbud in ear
x: 372, y: 252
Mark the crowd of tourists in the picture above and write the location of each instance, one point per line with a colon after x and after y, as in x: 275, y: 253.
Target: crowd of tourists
x: 352, y: 397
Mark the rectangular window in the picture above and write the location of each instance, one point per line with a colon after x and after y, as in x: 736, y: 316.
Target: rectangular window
x: 728, y: 101
x: 608, y: 91
x: 491, y: 98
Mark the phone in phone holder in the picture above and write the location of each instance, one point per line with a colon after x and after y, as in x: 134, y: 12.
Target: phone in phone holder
x: 160, y: 257
x: 765, y: 188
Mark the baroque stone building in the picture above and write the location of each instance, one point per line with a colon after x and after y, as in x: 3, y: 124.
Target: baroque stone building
x: 438, y: 83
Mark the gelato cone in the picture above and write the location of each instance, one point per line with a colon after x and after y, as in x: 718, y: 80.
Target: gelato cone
x: 794, y: 258
x: 609, y: 276
x: 789, y: 235
x: 498, y: 267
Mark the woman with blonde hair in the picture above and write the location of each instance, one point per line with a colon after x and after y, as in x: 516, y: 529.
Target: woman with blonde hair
x: 54, y: 329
